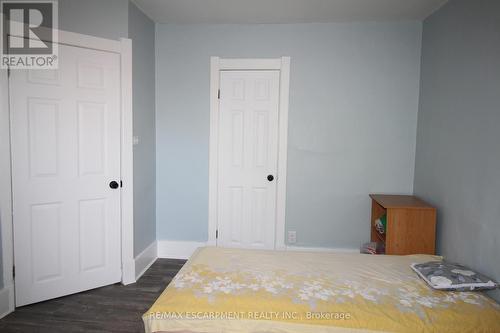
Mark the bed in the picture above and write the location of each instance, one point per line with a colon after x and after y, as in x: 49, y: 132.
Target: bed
x: 249, y: 291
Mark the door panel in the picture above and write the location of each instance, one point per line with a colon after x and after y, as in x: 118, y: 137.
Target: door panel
x: 46, y: 224
x: 91, y: 138
x: 65, y: 151
x: 92, y: 223
x: 248, y: 153
x: 43, y: 117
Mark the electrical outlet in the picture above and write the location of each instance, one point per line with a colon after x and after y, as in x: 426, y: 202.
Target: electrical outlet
x: 135, y: 140
x: 292, y: 237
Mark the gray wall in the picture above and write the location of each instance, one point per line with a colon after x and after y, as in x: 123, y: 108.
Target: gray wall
x: 102, y: 18
x: 458, y: 143
x: 352, y: 127
x: 142, y: 32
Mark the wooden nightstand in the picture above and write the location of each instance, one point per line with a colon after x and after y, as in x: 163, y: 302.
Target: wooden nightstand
x: 411, y: 224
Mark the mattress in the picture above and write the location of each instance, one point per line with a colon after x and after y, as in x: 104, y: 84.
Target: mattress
x: 249, y: 291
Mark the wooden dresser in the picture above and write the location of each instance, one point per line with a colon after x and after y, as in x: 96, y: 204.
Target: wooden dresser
x: 411, y: 224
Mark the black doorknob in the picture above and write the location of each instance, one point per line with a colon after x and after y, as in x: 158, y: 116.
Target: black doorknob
x: 270, y: 178
x: 113, y: 185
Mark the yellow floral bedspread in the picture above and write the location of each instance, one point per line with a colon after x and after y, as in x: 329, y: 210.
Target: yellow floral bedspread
x: 250, y: 291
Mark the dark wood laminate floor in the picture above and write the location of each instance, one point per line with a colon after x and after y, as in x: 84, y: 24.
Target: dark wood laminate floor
x: 114, y: 308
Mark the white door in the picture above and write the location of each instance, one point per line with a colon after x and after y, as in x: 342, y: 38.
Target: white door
x: 65, y: 152
x: 248, y: 158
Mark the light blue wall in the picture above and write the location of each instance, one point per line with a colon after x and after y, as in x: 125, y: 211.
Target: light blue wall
x: 142, y: 32
x: 458, y: 143
x: 352, y: 127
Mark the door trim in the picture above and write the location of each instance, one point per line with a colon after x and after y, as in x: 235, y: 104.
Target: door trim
x: 127, y: 164
x: 224, y: 64
x: 122, y: 47
x: 7, y: 302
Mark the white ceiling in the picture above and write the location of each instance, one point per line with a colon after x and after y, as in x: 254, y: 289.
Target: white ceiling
x: 286, y: 11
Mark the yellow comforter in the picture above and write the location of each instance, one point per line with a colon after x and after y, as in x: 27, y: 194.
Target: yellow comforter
x: 247, y: 291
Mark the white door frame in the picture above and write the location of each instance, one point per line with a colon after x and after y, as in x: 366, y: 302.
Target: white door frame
x: 123, y: 48
x: 216, y: 66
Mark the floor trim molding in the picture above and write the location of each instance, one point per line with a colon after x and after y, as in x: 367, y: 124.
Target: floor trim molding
x: 184, y: 249
x: 145, y: 259
x: 6, y: 300
x: 177, y: 249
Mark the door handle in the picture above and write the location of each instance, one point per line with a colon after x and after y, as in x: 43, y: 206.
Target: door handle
x: 114, y: 185
x: 270, y: 178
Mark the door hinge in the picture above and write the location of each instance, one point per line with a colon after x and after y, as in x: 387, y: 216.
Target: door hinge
x: 121, y: 183
x: 218, y: 94
x: 217, y: 234
x: 13, y: 272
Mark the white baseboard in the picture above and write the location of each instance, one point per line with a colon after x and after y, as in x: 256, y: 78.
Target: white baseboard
x: 6, y: 300
x: 321, y: 249
x: 184, y: 249
x: 145, y: 259
x: 177, y: 249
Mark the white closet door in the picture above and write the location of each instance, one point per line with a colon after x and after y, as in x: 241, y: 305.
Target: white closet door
x: 248, y: 155
x: 66, y: 151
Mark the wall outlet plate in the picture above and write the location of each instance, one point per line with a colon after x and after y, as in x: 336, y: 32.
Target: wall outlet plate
x: 292, y: 237
x: 135, y: 140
